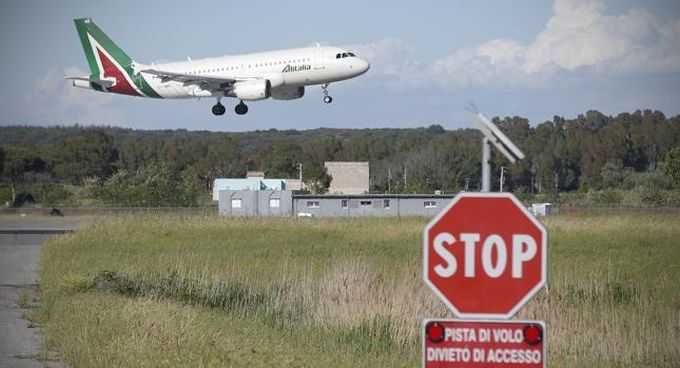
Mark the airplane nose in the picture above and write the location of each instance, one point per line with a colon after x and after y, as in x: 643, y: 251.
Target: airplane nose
x: 364, y: 65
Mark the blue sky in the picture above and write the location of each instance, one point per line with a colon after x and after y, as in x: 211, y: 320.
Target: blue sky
x: 429, y: 59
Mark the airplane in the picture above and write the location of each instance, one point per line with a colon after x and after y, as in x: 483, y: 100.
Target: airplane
x: 281, y: 75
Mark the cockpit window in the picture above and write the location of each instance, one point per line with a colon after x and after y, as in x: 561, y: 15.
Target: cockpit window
x: 344, y: 55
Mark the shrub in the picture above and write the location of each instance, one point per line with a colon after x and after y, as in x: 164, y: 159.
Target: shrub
x: 73, y: 284
x: 652, y: 196
x: 607, y: 197
x: 50, y: 193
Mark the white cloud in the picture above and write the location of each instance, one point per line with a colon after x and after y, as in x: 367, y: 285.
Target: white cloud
x: 54, y: 100
x: 388, y: 56
x: 579, y: 37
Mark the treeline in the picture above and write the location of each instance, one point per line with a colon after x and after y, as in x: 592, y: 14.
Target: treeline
x: 115, y: 166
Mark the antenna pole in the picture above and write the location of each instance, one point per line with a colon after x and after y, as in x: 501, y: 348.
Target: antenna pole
x: 486, y: 165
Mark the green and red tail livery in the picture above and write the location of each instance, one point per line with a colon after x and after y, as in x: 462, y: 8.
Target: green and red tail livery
x: 107, y: 61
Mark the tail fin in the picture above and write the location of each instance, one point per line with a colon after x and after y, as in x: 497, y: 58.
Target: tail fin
x: 108, y: 62
x: 94, y: 41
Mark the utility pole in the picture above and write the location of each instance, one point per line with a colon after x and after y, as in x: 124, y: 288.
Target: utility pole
x: 389, y: 180
x: 300, y: 170
x: 502, y: 179
x: 404, y: 179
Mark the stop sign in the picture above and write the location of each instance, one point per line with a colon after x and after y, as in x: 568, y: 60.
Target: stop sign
x: 485, y: 255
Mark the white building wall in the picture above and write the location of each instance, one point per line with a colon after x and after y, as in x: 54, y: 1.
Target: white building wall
x: 348, y: 177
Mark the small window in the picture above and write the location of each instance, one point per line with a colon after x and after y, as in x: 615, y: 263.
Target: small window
x: 386, y: 203
x: 312, y: 204
x: 351, y: 54
x: 344, y: 54
x: 430, y: 204
x: 365, y: 203
x: 344, y: 203
x: 236, y: 203
x: 337, y: 56
x: 274, y: 202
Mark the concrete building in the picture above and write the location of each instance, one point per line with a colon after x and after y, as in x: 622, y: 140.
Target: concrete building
x: 255, y: 174
x: 541, y: 209
x: 284, y: 203
x: 348, y: 177
x: 255, y: 203
x: 295, y: 184
x: 253, y: 184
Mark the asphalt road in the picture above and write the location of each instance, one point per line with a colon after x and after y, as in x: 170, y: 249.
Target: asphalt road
x: 20, y: 242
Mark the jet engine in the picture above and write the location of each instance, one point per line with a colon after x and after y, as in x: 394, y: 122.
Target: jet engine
x: 289, y: 93
x: 252, y: 90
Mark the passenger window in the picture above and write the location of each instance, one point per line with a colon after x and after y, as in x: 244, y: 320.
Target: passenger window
x: 337, y: 56
x: 344, y: 55
x: 351, y: 54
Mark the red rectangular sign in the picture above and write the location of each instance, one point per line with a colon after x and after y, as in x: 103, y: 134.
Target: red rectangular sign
x: 476, y: 343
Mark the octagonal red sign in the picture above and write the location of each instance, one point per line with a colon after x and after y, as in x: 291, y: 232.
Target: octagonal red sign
x: 485, y: 255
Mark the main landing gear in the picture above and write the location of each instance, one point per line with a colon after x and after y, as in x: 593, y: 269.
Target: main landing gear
x: 326, y: 98
x: 219, y: 109
x: 241, y: 108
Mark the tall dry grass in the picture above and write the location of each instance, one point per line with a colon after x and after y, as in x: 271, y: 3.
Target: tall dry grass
x: 349, y: 291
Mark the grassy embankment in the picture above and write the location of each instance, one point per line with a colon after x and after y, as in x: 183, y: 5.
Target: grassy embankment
x: 344, y: 293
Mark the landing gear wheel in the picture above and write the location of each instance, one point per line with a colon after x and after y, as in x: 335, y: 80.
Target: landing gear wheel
x: 326, y: 98
x: 218, y: 109
x: 241, y: 108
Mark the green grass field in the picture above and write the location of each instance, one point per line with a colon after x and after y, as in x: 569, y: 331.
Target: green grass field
x: 170, y: 291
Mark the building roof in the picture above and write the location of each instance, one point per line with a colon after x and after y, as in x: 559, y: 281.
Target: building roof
x: 372, y: 196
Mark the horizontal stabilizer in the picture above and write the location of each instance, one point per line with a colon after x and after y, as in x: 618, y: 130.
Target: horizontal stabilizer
x: 103, y: 83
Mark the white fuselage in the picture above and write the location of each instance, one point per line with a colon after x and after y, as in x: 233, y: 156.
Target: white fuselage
x: 286, y: 69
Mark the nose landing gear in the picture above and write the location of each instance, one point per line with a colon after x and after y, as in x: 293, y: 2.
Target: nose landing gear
x: 326, y: 98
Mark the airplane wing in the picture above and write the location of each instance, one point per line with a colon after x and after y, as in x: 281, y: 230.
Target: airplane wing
x: 202, y: 81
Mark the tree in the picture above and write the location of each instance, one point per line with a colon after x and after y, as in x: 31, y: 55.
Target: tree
x: 89, y: 154
x: 2, y: 159
x: 282, y: 161
x: 316, y: 177
x: 671, y: 165
x: 152, y: 185
x: 221, y: 159
x: 17, y: 163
